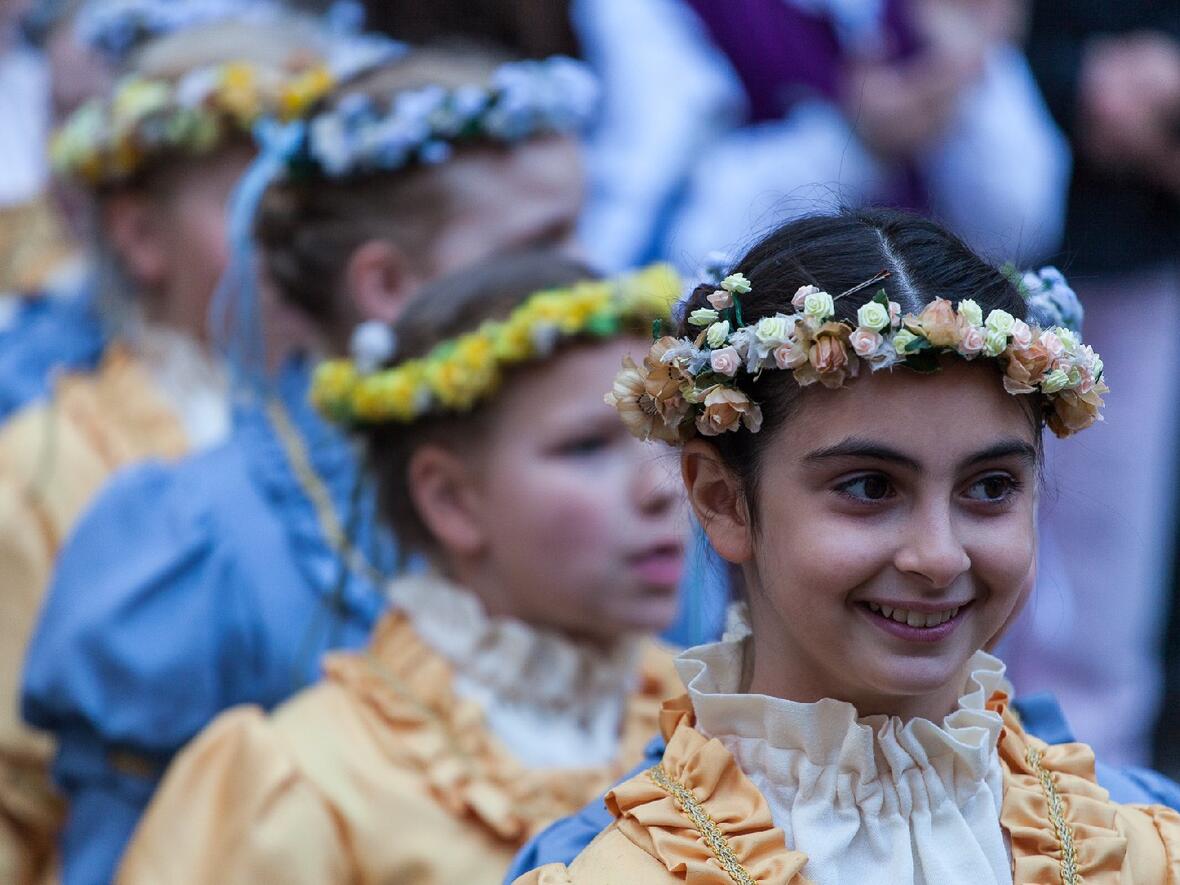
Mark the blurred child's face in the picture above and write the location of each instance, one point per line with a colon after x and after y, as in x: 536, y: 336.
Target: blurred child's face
x: 526, y: 197
x: 895, y: 538
x: 584, y: 524
x: 173, y: 242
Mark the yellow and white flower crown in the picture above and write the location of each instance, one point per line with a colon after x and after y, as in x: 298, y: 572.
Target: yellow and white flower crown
x: 459, y: 373
x: 689, y: 385
x: 108, y: 140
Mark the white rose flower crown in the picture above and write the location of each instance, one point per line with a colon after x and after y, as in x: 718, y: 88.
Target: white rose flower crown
x: 689, y: 385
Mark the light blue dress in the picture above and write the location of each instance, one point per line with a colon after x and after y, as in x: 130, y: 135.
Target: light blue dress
x: 189, y: 588
x: 47, y: 335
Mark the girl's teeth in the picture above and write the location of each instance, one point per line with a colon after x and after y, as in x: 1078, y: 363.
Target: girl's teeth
x: 914, y: 619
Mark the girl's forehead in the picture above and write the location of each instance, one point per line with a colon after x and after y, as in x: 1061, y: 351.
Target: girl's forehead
x: 932, y: 418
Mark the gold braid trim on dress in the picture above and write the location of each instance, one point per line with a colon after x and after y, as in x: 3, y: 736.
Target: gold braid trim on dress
x: 704, y: 825
x: 1061, y: 828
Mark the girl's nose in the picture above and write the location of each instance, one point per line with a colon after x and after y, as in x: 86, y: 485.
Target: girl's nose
x: 931, y: 548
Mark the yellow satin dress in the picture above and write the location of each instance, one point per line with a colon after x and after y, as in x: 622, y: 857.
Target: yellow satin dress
x: 379, y: 773
x: 54, y: 457
x: 697, y: 818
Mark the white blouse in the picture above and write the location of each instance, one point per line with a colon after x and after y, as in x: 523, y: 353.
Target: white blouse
x: 552, y: 701
x: 870, y: 799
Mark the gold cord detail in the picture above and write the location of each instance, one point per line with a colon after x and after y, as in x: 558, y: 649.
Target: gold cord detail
x: 704, y: 824
x: 1061, y: 827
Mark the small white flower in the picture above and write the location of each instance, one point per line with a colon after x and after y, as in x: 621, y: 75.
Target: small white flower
x: 1069, y: 339
x: 971, y: 312
x: 1000, y: 321
x: 1055, y: 381
x: 717, y: 335
x: 902, y: 340
x: 994, y: 342
x: 819, y: 305
x: 736, y: 283
x: 801, y: 295
x: 873, y: 316
x: 372, y: 345
x: 703, y: 316
x: 774, y: 330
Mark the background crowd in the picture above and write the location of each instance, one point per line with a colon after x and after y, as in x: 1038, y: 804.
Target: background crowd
x: 1040, y: 131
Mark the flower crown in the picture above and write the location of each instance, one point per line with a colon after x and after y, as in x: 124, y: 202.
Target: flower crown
x: 457, y: 374
x: 108, y: 140
x: 421, y: 125
x: 689, y: 385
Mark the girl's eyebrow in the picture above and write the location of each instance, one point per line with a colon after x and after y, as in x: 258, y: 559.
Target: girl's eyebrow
x: 1004, y: 448
x: 856, y: 447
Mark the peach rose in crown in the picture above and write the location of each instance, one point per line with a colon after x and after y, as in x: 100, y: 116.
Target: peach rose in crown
x: 1021, y: 334
x: 828, y: 354
x: 865, y: 342
x: 939, y: 324
x: 726, y: 409
x: 1071, y: 411
x: 972, y: 342
x: 725, y: 361
x: 1025, y: 368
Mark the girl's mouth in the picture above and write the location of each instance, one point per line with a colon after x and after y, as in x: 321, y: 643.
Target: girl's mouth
x: 914, y: 626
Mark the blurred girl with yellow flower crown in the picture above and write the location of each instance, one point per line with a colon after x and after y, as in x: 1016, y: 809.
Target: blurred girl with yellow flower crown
x: 860, y: 409
x: 158, y: 157
x: 513, y: 677
x: 223, y: 578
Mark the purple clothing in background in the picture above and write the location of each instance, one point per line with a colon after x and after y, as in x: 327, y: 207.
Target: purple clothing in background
x: 784, y: 55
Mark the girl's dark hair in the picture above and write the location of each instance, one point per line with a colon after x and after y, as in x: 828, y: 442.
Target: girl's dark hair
x: 835, y: 253
x: 442, y: 310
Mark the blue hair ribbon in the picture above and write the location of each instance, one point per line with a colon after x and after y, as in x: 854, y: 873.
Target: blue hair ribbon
x: 235, y: 313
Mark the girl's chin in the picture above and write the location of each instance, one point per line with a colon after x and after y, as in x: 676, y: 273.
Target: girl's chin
x: 912, y: 677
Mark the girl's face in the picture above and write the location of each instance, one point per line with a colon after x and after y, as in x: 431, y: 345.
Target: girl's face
x: 583, y: 525
x: 526, y: 197
x: 894, y: 538
x: 172, y: 241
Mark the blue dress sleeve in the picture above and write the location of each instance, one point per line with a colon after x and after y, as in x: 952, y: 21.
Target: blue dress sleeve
x: 564, y: 840
x: 127, y: 661
x: 48, y: 334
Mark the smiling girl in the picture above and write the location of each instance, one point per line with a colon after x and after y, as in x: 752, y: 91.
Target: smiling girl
x: 870, y: 461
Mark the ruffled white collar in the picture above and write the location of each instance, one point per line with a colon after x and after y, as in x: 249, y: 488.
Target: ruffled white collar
x: 872, y: 798
x: 192, y: 381
x: 551, y: 700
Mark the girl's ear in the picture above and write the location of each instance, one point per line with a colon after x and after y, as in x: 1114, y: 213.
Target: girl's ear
x: 446, y: 496
x: 380, y: 281
x: 133, y: 228
x: 717, y: 500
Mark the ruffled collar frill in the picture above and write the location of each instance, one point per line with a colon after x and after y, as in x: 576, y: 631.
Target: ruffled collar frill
x: 515, y: 661
x: 122, y: 412
x: 1051, y: 801
x: 309, y: 473
x: 446, y: 738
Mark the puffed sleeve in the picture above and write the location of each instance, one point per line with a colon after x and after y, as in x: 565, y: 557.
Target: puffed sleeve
x: 140, y: 643
x: 49, y: 334
x: 235, y: 807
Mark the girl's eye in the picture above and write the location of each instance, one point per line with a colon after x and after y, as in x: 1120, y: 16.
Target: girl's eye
x: 869, y: 488
x: 993, y: 489
x: 585, y: 446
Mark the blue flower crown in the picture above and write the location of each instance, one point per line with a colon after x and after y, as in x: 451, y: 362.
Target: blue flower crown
x: 421, y: 126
